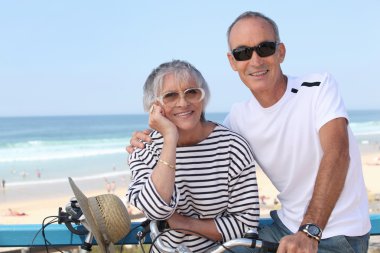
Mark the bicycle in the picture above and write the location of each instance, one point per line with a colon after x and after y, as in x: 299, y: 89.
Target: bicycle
x: 155, y: 229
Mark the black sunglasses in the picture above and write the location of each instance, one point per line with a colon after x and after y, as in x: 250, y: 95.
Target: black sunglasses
x: 264, y: 49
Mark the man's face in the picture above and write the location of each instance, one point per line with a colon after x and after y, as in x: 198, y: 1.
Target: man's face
x: 262, y: 75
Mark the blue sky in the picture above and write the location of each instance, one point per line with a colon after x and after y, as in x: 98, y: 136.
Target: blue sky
x: 92, y: 57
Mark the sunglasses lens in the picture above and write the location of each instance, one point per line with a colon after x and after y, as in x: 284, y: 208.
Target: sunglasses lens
x: 170, y: 97
x: 242, y: 53
x: 193, y: 95
x: 266, y: 49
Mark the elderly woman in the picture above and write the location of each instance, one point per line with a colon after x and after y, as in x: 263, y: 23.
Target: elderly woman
x: 195, y: 174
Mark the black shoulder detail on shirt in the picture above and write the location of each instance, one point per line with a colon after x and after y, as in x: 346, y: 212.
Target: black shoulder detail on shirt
x: 294, y: 90
x: 310, y: 84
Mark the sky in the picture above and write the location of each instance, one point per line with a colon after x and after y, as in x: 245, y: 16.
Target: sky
x: 69, y: 57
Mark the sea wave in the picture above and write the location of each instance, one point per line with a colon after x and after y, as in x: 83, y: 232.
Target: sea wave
x: 365, y: 128
x: 368, y: 133
x: 39, y: 150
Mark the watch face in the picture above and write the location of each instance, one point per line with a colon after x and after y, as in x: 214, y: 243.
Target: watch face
x: 313, y: 230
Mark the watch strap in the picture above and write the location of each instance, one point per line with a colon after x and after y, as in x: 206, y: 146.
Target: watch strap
x: 317, y: 235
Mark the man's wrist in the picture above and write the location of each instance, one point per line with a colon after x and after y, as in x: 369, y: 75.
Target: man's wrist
x: 312, y: 231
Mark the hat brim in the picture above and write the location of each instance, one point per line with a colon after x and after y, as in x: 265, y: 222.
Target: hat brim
x: 93, y: 227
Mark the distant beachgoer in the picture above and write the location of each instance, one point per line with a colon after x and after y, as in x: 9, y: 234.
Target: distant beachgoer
x: 38, y: 173
x: 15, y: 213
x: 3, y: 183
x: 23, y: 174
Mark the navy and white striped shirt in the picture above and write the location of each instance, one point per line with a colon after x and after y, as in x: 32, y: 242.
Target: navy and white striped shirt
x: 215, y: 178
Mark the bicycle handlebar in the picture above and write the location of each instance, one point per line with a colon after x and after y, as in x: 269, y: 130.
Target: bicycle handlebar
x: 249, y: 243
x: 154, y: 235
x: 246, y: 242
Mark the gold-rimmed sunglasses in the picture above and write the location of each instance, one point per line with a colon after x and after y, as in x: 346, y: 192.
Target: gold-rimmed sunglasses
x: 191, y: 95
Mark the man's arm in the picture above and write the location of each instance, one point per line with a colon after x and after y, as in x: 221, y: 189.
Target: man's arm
x: 332, y: 172
x: 328, y: 186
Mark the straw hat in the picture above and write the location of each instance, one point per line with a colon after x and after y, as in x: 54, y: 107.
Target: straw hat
x: 106, y: 217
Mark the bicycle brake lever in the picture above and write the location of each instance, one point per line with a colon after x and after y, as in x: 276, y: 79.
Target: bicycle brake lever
x: 146, y: 229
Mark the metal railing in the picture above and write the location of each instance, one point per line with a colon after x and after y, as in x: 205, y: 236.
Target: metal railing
x: 29, y: 235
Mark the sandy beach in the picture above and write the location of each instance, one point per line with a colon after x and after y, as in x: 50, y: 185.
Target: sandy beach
x: 40, y: 200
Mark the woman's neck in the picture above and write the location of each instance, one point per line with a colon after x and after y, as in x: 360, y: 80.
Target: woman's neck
x: 195, y: 135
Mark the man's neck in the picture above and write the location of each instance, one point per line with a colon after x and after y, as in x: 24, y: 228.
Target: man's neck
x: 271, y: 97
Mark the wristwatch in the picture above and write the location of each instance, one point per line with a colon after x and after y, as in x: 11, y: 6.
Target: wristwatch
x: 312, y: 231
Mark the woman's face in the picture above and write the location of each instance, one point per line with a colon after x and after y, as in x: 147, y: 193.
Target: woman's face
x: 183, y: 113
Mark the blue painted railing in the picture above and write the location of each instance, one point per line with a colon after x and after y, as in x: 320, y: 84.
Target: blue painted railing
x: 59, y: 235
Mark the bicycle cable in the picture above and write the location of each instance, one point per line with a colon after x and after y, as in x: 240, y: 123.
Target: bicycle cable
x: 122, y: 243
x: 46, y: 241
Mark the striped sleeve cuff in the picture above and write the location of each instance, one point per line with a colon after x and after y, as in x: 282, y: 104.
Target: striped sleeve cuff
x: 154, y: 206
x: 230, y: 228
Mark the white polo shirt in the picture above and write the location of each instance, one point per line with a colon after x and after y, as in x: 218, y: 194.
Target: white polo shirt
x: 285, y: 142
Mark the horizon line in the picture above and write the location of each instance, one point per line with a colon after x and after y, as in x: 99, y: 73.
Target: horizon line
x: 125, y: 114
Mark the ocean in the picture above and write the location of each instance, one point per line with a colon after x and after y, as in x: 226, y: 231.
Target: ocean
x: 47, y: 149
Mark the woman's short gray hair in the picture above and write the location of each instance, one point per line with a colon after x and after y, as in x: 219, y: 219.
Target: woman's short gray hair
x: 182, y: 71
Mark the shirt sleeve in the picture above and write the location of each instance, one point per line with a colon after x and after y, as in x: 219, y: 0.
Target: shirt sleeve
x: 243, y: 208
x: 329, y: 102
x: 142, y: 192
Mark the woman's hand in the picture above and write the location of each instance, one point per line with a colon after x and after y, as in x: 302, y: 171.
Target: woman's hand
x: 159, y: 122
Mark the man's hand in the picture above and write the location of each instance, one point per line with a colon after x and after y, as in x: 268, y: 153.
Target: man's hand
x: 296, y: 243
x: 137, y: 138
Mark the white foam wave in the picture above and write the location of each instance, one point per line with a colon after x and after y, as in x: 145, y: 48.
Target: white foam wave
x: 64, y: 180
x: 44, y: 156
x: 35, y: 143
x: 367, y: 133
x: 37, y: 150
